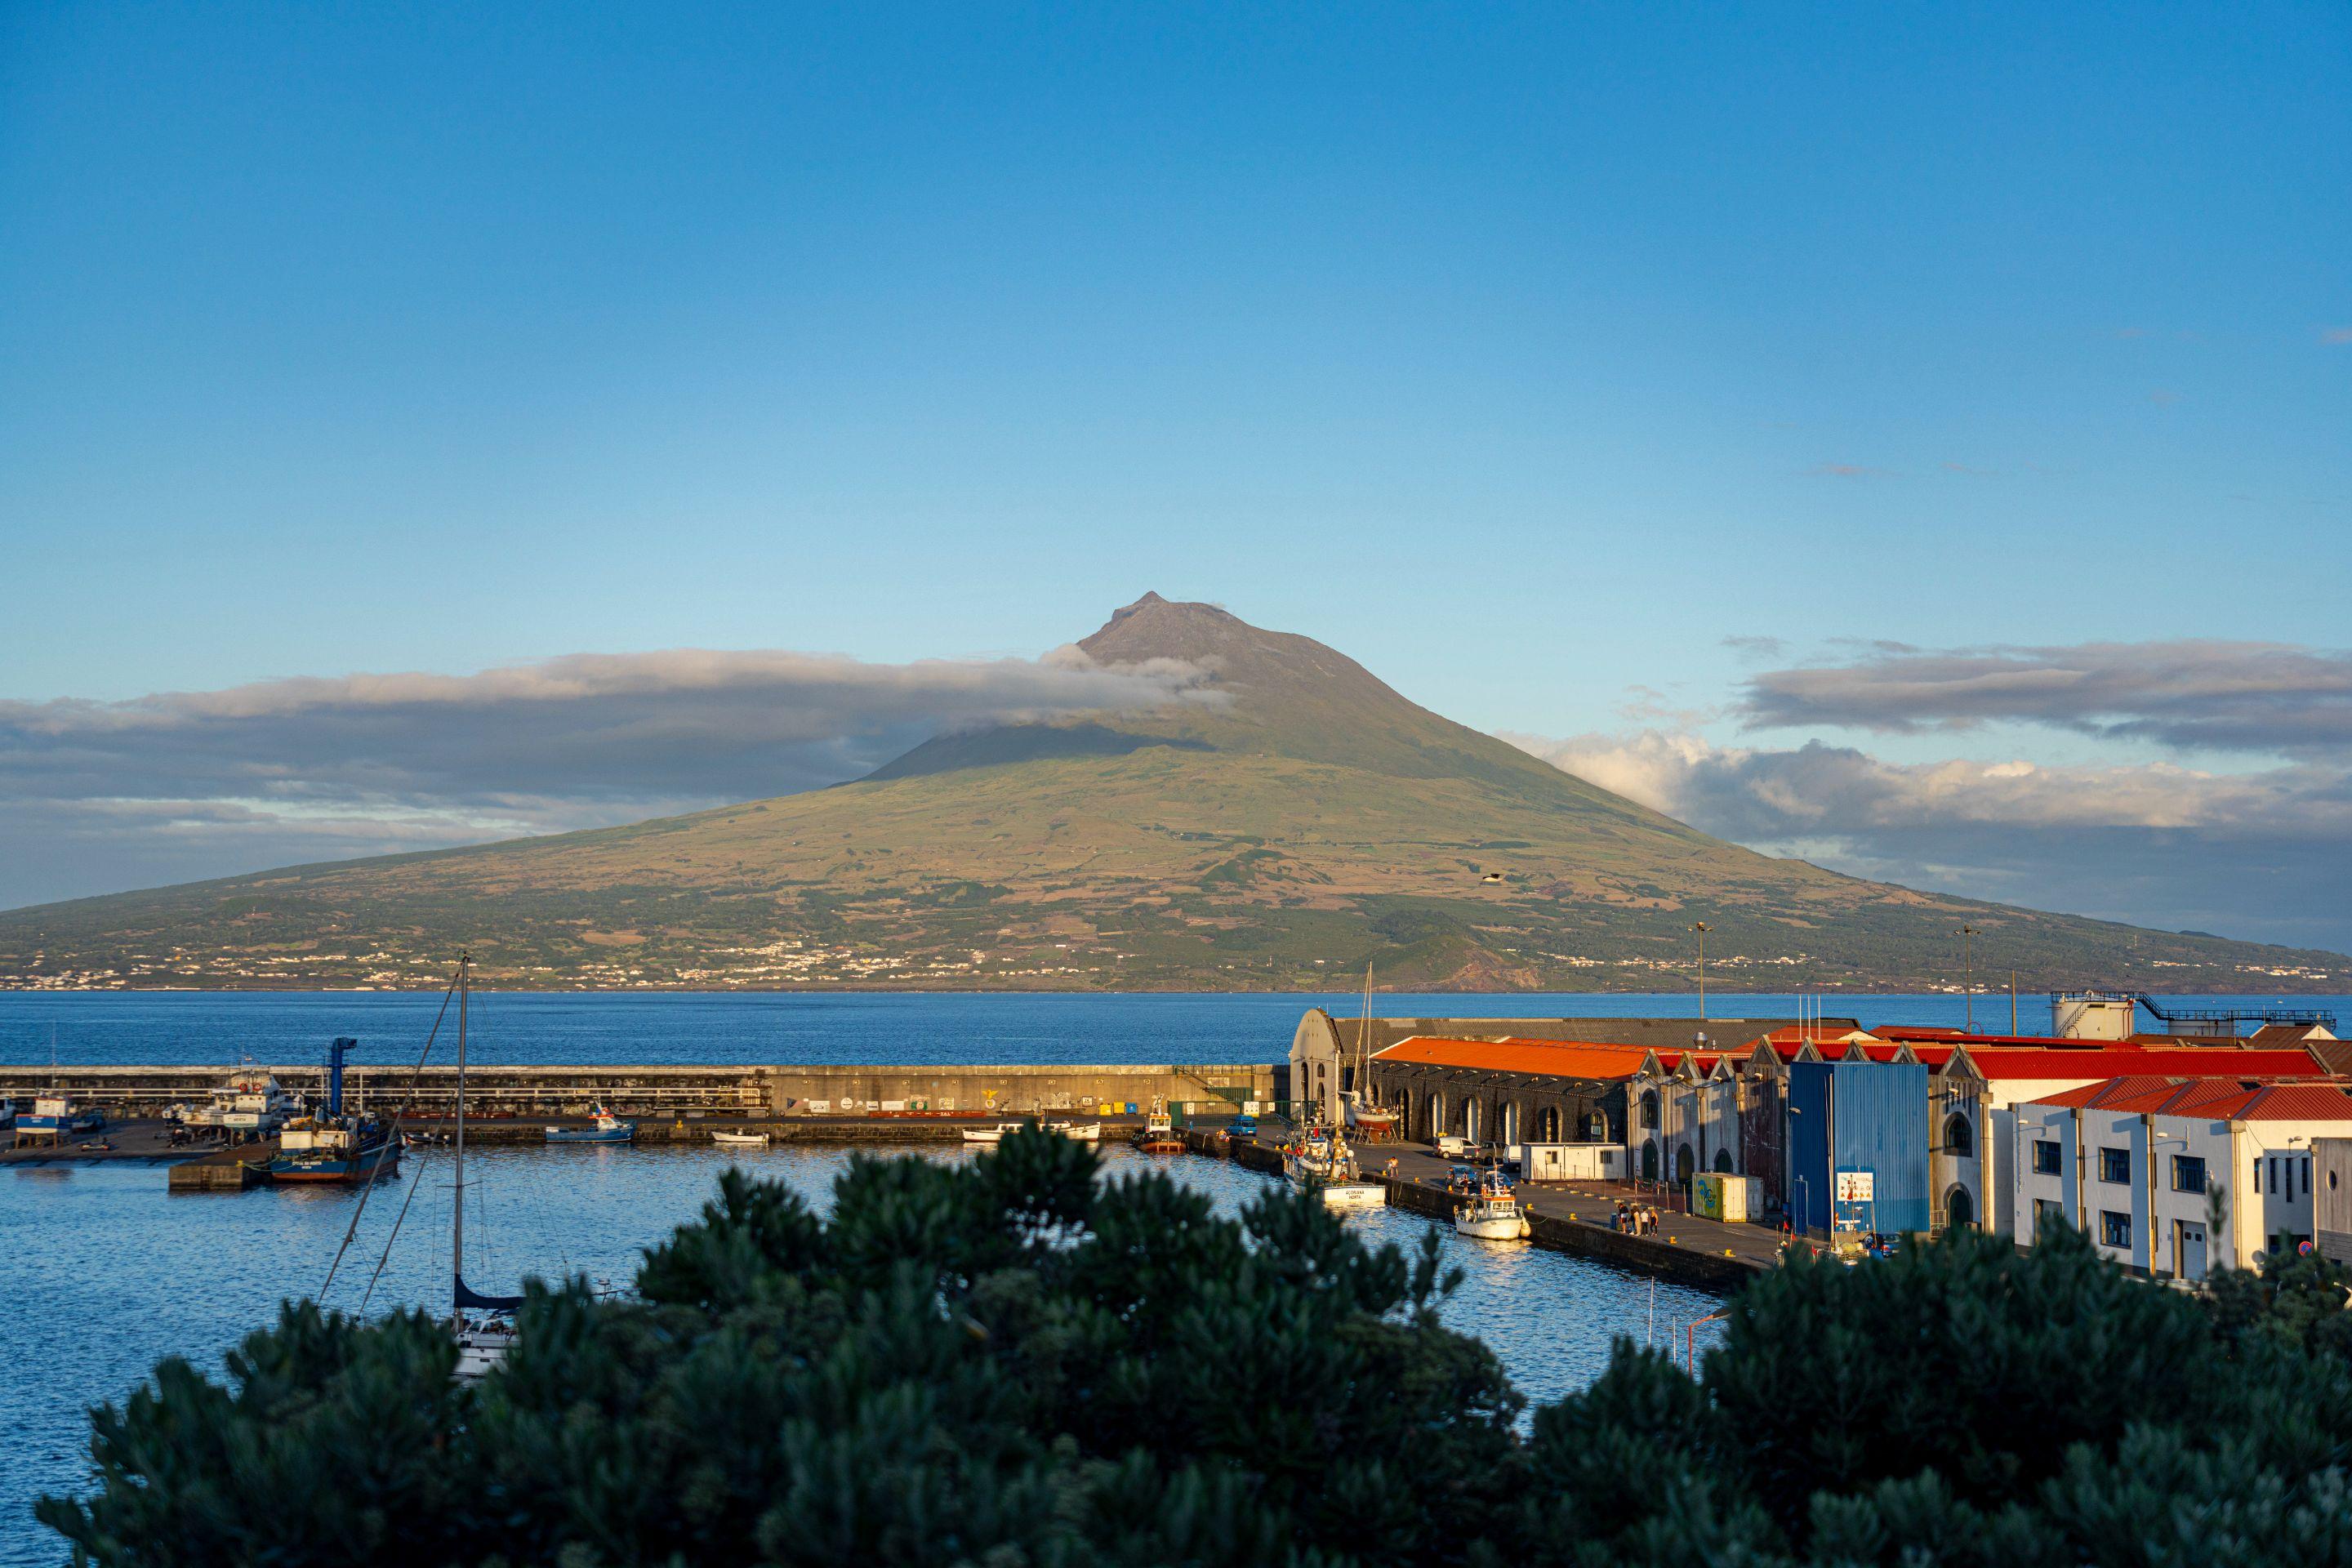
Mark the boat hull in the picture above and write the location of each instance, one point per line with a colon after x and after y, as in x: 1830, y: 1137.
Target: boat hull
x: 1511, y: 1228
x: 591, y: 1134
x: 354, y: 1168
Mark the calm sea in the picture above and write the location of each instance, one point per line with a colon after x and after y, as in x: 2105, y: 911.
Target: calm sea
x: 185, y: 1026
x: 103, y: 1272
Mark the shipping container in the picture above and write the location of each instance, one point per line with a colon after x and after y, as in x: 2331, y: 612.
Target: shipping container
x: 1718, y: 1195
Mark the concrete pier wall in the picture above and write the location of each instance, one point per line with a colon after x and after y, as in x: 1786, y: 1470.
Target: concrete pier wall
x: 653, y: 1089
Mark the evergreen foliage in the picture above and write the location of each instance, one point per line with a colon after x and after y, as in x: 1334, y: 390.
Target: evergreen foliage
x: 1010, y: 1361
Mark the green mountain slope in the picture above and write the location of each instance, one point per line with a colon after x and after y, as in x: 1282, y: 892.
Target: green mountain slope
x: 1303, y: 819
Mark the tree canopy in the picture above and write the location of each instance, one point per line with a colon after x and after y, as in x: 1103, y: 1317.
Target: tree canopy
x: 1013, y: 1361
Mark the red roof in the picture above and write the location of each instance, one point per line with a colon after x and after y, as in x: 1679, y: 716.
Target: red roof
x: 2214, y: 1100
x: 1553, y: 1059
x: 2022, y: 1062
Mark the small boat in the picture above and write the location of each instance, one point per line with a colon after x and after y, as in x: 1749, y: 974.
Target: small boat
x: 48, y: 1118
x: 739, y: 1139
x: 606, y: 1128
x: 1158, y: 1134
x: 1077, y: 1131
x: 87, y: 1121
x: 990, y: 1136
x: 1492, y: 1214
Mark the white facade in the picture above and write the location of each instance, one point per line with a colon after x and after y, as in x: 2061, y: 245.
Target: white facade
x: 2093, y: 1168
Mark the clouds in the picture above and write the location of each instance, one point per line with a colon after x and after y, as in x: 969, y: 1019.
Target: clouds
x: 2257, y: 855
x: 2247, y: 697
x: 197, y: 784
x: 2256, y: 851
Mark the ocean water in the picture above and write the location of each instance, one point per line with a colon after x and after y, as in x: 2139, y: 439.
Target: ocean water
x: 849, y: 1028
x: 103, y: 1272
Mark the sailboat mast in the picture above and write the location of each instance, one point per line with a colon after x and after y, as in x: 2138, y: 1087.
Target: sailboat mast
x: 457, y: 1208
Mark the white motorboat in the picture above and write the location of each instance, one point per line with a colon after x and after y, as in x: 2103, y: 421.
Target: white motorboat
x: 1354, y: 1194
x: 1077, y: 1131
x: 990, y: 1136
x: 739, y: 1139
x: 1493, y: 1215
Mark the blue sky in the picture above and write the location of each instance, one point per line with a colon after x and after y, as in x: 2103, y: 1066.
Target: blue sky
x: 1527, y: 353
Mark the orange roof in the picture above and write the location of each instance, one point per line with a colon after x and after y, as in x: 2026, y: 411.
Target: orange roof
x: 1543, y: 1058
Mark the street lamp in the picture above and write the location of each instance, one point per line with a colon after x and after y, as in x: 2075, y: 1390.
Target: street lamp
x: 1968, y: 953
x: 1702, y: 928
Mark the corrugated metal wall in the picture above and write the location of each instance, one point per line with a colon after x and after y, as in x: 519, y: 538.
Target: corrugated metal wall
x: 1880, y: 1112
x: 2331, y: 1191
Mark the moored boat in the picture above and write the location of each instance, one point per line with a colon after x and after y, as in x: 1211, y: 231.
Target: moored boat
x: 1158, y: 1134
x: 333, y: 1147
x: 988, y: 1137
x: 1077, y: 1131
x: 739, y: 1139
x: 1492, y: 1214
x: 606, y: 1128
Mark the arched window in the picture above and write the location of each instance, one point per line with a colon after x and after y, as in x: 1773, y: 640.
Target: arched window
x: 1959, y: 1138
x: 1959, y: 1212
x: 1684, y: 1163
x: 1509, y: 1120
x: 1548, y: 1124
x: 1470, y: 1120
x: 1649, y: 1158
x: 1649, y: 1108
x: 1436, y: 1115
x: 1723, y: 1159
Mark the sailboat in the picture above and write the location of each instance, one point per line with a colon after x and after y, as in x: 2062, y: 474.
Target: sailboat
x: 484, y: 1325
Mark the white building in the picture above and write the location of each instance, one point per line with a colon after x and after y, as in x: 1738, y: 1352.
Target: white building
x: 2149, y: 1167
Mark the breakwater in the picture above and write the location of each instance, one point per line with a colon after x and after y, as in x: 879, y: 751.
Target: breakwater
x: 843, y: 1092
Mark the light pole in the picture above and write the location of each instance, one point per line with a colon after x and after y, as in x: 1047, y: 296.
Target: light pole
x: 1701, y: 928
x: 1968, y: 958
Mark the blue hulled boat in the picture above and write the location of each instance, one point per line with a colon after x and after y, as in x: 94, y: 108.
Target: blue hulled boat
x: 333, y: 1147
x: 606, y: 1128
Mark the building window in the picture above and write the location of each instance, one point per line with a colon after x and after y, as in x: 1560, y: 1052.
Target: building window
x: 2048, y: 1214
x: 2115, y: 1165
x: 2045, y: 1157
x: 2275, y: 1176
x: 1650, y: 1107
x: 1959, y: 1137
x: 2188, y: 1173
x: 2114, y: 1229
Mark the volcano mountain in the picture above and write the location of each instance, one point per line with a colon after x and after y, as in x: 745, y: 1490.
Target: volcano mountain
x: 1291, y: 820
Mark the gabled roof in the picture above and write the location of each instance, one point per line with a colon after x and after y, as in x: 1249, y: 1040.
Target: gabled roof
x: 1539, y: 1059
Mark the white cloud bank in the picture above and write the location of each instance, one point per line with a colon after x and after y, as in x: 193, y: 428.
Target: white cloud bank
x: 96, y: 796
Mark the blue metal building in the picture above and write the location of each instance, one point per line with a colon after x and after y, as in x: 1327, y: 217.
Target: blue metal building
x: 1874, y: 1116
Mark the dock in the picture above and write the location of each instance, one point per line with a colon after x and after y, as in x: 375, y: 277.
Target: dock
x: 1564, y: 1216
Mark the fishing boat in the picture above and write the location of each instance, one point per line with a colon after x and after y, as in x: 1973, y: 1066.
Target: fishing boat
x: 48, y: 1118
x: 333, y: 1147
x: 739, y: 1139
x: 252, y: 1100
x: 1492, y: 1214
x: 990, y: 1137
x: 1077, y: 1131
x: 606, y: 1128
x: 1158, y: 1134
x: 1307, y: 1158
